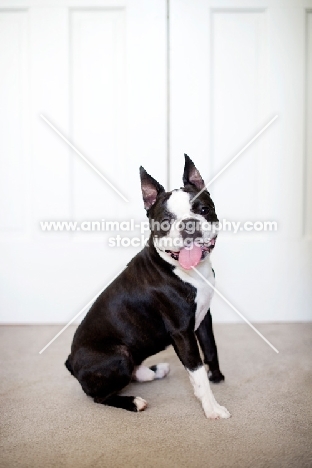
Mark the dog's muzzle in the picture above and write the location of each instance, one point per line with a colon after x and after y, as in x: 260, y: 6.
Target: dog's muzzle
x: 194, y: 250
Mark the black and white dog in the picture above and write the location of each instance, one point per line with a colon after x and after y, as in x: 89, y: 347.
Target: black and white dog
x: 158, y: 300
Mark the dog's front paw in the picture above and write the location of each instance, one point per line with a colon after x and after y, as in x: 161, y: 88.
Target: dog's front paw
x: 217, y: 412
x: 216, y: 376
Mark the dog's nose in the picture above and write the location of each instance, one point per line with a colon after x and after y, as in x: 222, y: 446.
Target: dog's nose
x: 190, y: 228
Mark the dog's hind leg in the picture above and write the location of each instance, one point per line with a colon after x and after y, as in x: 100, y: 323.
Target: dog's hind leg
x: 68, y: 365
x: 103, y: 374
x: 129, y: 403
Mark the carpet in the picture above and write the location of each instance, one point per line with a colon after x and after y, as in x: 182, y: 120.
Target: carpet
x: 47, y: 420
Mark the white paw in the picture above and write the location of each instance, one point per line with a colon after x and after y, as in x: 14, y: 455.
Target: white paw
x: 217, y: 412
x: 143, y: 374
x: 140, y: 403
x: 162, y: 370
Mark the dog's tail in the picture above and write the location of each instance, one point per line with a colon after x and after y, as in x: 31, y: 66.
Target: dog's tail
x: 68, y: 365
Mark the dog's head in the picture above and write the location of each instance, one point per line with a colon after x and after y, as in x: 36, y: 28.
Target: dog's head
x: 183, y: 222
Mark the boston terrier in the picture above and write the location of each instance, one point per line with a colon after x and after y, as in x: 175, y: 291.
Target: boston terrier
x: 157, y: 301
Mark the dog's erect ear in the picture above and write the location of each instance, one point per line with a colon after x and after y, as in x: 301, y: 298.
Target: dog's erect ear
x: 191, y: 175
x: 150, y: 188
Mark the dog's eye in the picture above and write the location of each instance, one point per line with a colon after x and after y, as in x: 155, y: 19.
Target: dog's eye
x: 204, y: 210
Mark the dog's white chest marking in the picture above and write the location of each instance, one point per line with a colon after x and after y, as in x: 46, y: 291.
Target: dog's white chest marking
x: 204, y: 291
x: 179, y: 205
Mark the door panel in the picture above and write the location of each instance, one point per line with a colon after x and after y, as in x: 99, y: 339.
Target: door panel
x: 232, y: 70
x: 13, y: 120
x: 308, y: 116
x: 97, y: 72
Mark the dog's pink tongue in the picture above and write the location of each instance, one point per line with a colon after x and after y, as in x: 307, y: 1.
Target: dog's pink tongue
x: 190, y: 256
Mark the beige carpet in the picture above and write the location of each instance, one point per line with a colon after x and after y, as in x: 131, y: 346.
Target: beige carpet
x: 47, y: 421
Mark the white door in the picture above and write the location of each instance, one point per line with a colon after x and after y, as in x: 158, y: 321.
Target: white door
x: 233, y: 67
x: 97, y: 72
